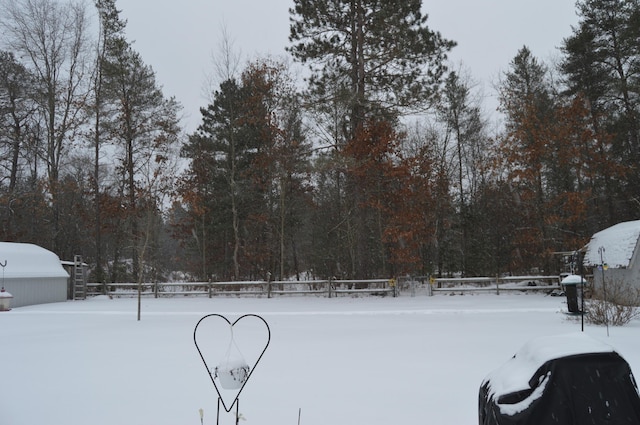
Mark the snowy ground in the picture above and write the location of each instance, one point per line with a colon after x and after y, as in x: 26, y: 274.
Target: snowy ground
x: 368, y: 360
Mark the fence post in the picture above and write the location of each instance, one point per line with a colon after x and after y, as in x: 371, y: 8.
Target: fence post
x: 210, y: 287
x: 155, y: 289
x: 497, y: 285
x: 329, y: 288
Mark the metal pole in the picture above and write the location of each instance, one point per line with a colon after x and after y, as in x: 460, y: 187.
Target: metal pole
x: 582, y: 281
x: 218, y: 414
x: 604, y: 289
x: 3, y: 265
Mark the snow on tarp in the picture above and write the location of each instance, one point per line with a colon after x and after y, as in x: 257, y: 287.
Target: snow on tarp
x: 568, y: 379
x: 27, y: 260
x: 619, y: 242
x: 515, y: 374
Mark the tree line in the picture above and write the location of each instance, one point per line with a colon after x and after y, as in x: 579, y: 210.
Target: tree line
x: 380, y: 163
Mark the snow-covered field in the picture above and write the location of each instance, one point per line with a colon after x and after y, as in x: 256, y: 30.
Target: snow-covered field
x: 366, y: 360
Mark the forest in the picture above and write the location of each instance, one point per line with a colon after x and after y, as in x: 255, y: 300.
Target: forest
x: 380, y: 162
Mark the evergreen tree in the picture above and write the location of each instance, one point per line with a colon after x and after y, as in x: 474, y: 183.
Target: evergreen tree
x: 222, y: 151
x: 143, y: 126
x: 525, y: 98
x: 374, y: 60
x: 601, y: 64
x: 245, y: 183
x: 111, y: 34
x: 381, y: 54
x: 547, y: 158
x: 281, y: 167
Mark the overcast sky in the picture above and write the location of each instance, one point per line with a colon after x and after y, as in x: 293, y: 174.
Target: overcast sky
x: 178, y: 38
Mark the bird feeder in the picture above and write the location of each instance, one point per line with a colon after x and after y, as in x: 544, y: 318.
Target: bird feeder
x: 5, y: 300
x: 575, y: 298
x: 232, y: 374
x: 233, y: 371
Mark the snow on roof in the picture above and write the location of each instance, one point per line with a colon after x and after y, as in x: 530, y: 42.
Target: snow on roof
x: 619, y: 242
x: 28, y: 260
x: 514, y: 375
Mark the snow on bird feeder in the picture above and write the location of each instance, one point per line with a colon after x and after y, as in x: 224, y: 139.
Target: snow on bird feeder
x: 233, y: 371
x: 573, y: 279
x: 232, y: 374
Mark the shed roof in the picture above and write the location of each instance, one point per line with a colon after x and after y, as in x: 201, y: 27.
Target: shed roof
x: 619, y: 243
x: 28, y: 260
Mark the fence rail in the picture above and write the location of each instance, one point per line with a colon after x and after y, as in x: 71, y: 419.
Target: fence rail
x: 497, y: 284
x: 330, y: 288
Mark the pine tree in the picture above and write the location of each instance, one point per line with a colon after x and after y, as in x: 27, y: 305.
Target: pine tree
x: 143, y: 126
x: 601, y: 64
x: 370, y: 61
x: 282, y: 161
x: 222, y: 151
x: 246, y: 175
x: 525, y: 98
x: 381, y: 54
x: 111, y: 33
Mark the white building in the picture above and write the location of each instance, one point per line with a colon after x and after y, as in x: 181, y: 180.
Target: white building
x: 32, y: 274
x: 617, y: 249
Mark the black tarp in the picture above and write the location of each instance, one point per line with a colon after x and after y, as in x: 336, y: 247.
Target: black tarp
x: 583, y: 389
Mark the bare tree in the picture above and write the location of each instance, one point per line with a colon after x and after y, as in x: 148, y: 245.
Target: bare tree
x: 51, y: 36
x: 225, y: 63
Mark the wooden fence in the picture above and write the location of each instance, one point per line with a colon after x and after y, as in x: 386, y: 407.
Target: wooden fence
x: 331, y: 288
x: 328, y: 288
x: 494, y: 284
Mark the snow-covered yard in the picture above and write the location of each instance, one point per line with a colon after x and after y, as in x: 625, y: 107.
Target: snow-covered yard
x: 367, y: 360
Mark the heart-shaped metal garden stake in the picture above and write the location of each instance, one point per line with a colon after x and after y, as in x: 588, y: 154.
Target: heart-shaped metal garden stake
x: 216, y: 339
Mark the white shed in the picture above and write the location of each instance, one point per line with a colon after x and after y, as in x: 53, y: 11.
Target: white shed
x: 32, y: 274
x: 617, y: 247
